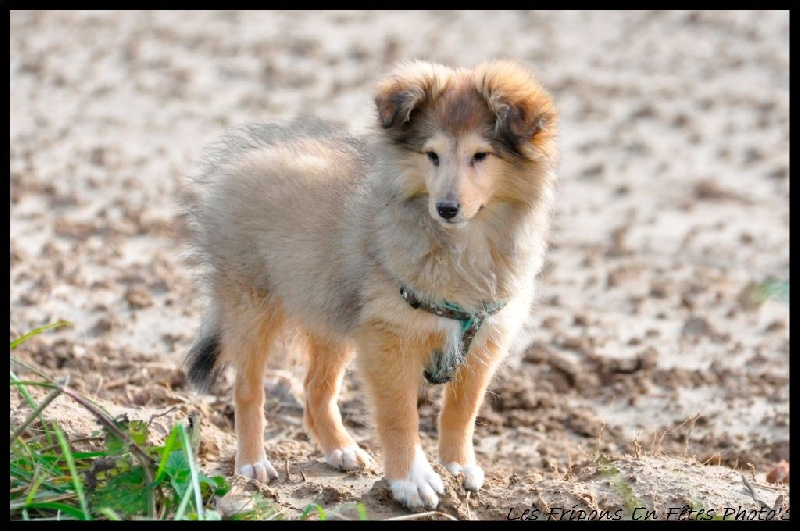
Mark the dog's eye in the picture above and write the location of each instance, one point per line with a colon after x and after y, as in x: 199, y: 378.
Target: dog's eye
x: 433, y: 157
x: 477, y: 157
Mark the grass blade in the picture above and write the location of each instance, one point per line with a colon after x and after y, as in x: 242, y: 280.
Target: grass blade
x: 187, y: 448
x: 56, y: 506
x: 362, y: 511
x: 35, y: 414
x: 76, y: 480
x: 109, y: 513
x: 22, y: 389
x: 37, y: 331
x: 169, y: 445
x: 38, y: 479
x: 187, y: 495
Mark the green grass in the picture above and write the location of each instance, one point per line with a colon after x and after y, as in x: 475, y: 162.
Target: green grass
x: 618, y: 482
x: 113, y: 475
x: 771, y: 289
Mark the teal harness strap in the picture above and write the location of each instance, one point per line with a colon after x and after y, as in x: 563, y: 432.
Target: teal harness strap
x: 444, y: 364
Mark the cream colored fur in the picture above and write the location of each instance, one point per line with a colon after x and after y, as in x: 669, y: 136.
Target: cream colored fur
x: 300, y: 225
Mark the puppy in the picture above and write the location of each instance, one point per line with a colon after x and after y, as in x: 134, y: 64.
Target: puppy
x: 414, y: 248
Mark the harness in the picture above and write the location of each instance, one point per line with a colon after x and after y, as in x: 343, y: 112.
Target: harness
x: 444, y: 364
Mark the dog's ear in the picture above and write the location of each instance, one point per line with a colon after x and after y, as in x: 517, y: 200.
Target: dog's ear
x: 408, y: 87
x: 396, y: 103
x: 526, y: 115
x: 521, y: 120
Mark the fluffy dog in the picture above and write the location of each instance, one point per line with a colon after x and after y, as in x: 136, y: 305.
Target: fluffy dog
x: 415, y: 247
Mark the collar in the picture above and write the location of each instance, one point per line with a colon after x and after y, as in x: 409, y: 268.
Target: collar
x: 444, y: 364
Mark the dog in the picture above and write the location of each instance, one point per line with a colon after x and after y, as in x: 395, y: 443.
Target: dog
x: 414, y: 248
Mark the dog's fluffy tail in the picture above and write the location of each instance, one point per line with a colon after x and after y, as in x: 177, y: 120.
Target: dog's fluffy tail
x: 202, y: 362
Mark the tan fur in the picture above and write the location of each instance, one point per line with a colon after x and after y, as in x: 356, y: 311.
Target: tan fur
x: 327, y: 364
x: 300, y: 225
x: 462, y: 399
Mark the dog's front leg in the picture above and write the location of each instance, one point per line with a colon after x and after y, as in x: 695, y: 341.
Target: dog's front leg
x: 462, y: 399
x: 392, y: 372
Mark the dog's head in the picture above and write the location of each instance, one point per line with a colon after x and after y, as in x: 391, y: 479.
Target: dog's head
x: 468, y: 139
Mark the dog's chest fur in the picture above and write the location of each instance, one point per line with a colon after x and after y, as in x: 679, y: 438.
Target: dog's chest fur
x: 476, y: 265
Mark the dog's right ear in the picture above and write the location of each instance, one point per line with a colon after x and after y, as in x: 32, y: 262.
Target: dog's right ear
x: 395, y: 104
x: 407, y: 88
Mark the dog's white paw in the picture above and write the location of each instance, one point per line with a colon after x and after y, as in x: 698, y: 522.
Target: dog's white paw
x: 349, y: 458
x: 473, y: 474
x: 420, y: 487
x: 262, y: 471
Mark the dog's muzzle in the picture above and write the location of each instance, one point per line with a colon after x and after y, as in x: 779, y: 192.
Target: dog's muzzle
x: 447, y: 209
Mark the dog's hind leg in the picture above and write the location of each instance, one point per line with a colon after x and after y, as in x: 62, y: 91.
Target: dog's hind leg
x: 327, y: 363
x: 462, y: 399
x: 247, y: 337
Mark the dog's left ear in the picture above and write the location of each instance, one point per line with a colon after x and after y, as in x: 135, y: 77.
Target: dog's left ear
x: 407, y: 88
x: 520, y: 120
x: 526, y: 114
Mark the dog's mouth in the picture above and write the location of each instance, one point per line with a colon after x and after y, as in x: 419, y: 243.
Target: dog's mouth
x: 453, y: 223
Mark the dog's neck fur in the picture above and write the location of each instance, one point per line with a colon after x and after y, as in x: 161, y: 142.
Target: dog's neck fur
x: 491, y: 259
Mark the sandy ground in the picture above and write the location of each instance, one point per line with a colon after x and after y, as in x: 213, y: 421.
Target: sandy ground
x: 656, y: 373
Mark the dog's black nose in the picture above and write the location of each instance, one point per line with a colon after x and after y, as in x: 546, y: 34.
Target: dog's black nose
x: 447, y: 209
